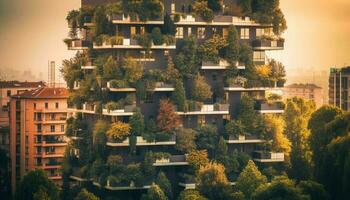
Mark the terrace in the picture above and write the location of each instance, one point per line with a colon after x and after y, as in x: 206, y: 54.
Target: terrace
x: 221, y: 20
x: 268, y: 44
x: 266, y: 157
x: 127, y: 43
x: 126, y: 19
x: 222, y: 64
x: 244, y: 139
x: 275, y: 107
x: 78, y: 44
x: 208, y: 109
x: 173, y: 160
x: 140, y: 141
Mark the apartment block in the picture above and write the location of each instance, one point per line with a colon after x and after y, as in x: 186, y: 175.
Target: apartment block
x: 129, y: 69
x: 7, y: 89
x: 307, y: 91
x: 37, y: 127
x: 338, y: 93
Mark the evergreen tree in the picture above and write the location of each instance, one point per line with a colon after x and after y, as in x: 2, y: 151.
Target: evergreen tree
x: 179, y: 96
x: 164, y: 184
x: 86, y: 195
x: 137, y: 123
x: 169, y: 26
x: 250, y: 179
x: 232, y: 49
x: 191, y: 195
x: 154, y: 193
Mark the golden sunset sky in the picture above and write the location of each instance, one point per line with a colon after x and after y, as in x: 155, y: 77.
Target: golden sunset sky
x: 32, y: 32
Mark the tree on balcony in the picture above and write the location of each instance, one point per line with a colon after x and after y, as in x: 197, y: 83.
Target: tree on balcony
x: 85, y: 195
x: 246, y: 6
x: 232, y: 48
x: 201, y: 89
x: 235, y: 128
x: 197, y: 158
x: 102, y: 24
x: 163, y: 182
x: 99, y: 138
x: 207, y: 138
x: 133, y: 71
x: 71, y: 69
x: 137, y: 123
x: 201, y: 9
x: 154, y: 193
x: 221, y: 153
x: 118, y: 131
x: 185, y: 140
x: 34, y: 181
x: 169, y: 26
x: 179, y: 95
x: 250, y: 179
x: 157, y: 36
x: 278, y: 72
x: 111, y: 69
x: 167, y: 118
x: 209, y: 51
x: 187, y: 61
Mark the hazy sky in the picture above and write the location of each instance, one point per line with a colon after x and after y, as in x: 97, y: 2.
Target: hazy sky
x: 32, y: 32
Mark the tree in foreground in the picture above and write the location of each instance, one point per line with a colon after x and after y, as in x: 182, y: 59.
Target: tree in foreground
x: 164, y: 184
x: 250, y: 179
x: 154, y: 193
x: 280, y: 188
x: 85, y: 195
x: 191, y: 195
x: 212, y: 182
x: 34, y: 181
x: 315, y: 190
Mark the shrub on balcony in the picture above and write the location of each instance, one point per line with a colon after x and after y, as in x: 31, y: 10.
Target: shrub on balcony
x: 133, y: 71
x: 164, y: 184
x: 134, y: 174
x: 150, y: 9
x: 193, y: 106
x: 112, y: 105
x: 157, y: 36
x: 154, y: 193
x: 113, y: 9
x: 118, y: 131
x: 115, y: 164
x: 102, y: 24
x: 144, y: 40
x: 201, y: 89
x: 168, y: 39
x: 191, y: 194
x: 161, y: 155
x: 99, y: 138
x: 201, y: 9
x: 207, y: 138
x: 187, y: 60
x: 118, y: 84
x: 177, y: 17
x: 167, y: 119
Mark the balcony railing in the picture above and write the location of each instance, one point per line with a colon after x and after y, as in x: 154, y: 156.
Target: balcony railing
x: 222, y: 64
x: 174, y: 160
x: 126, y: 19
x: 269, y: 107
x: 244, y: 139
x: 208, y: 109
x: 140, y: 141
x: 223, y: 20
x: 261, y: 156
x: 128, y: 43
x: 126, y: 111
x: 268, y: 44
x: 159, y: 87
x: 78, y: 44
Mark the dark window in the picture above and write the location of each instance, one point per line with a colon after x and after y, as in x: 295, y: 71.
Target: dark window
x: 62, y: 128
x: 52, y: 128
x: 8, y: 93
x: 46, y: 105
x: 57, y: 105
x: 38, y: 128
x: 34, y: 105
x: 18, y: 104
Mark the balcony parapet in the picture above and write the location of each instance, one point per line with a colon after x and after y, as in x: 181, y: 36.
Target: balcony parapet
x: 266, y: 157
x: 173, y: 160
x: 131, y: 186
x: 208, y: 109
x: 222, y: 64
x: 126, y: 19
x: 126, y: 111
x: 219, y: 20
x: 268, y: 44
x: 77, y: 44
x: 140, y: 141
x: 269, y: 107
x: 243, y: 139
x: 128, y: 43
x: 159, y: 87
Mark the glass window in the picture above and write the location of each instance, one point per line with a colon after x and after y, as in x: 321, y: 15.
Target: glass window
x: 189, y: 31
x: 224, y: 32
x: 57, y: 105
x: 62, y: 128
x: 46, y: 105
x: 259, y: 56
x: 142, y: 30
x: 38, y: 128
x: 132, y: 30
x: 173, y: 8
x: 179, y: 32
x: 201, y: 32
x: 259, y: 32
x: 244, y: 33
x: 8, y: 93
x: 52, y: 128
x: 34, y: 105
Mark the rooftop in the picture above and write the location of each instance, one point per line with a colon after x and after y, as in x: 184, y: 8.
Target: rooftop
x: 19, y: 84
x: 301, y: 85
x: 44, y: 93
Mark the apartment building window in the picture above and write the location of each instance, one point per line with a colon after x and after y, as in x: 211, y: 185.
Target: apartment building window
x: 173, y: 8
x: 179, y: 32
x: 62, y: 128
x: 244, y: 33
x: 132, y: 30
x: 189, y: 31
x: 8, y: 93
x: 259, y: 56
x: 57, y: 105
x: 38, y: 128
x: 142, y: 30
x: 18, y: 104
x: 46, y: 105
x: 259, y: 32
x: 53, y: 116
x: 34, y: 105
x: 214, y: 30
x: 201, y: 32
x: 38, y: 116
x: 201, y: 119
x: 52, y: 128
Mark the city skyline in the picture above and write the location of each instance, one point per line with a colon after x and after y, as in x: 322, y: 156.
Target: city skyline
x: 307, y: 40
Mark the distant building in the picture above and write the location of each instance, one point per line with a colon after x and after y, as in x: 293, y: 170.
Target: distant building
x: 8, y: 88
x: 37, y: 127
x: 306, y: 91
x: 338, y: 87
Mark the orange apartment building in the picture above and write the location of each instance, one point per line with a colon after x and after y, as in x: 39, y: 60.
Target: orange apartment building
x: 306, y: 91
x: 37, y: 128
x: 7, y: 89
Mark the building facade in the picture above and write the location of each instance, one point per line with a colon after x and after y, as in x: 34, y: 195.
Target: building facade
x: 7, y: 89
x: 338, y: 94
x: 306, y: 91
x: 37, y: 125
x: 142, y: 63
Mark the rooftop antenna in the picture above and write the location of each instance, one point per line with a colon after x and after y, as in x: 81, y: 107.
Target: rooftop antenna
x: 51, y: 73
